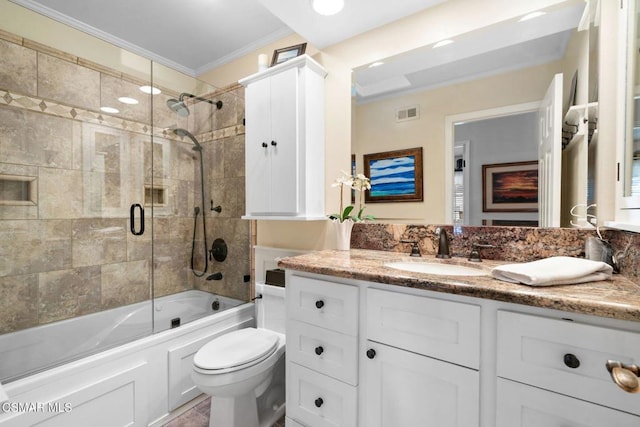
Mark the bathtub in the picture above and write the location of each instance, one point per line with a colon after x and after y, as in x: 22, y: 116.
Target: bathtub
x: 134, y: 357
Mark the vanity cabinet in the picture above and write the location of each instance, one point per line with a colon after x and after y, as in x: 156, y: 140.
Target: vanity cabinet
x: 541, y: 361
x: 421, y: 361
x: 322, y: 352
x: 368, y: 354
x: 284, y: 143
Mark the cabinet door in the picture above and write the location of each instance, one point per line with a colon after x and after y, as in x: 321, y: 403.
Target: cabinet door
x: 520, y: 405
x: 284, y: 134
x: 257, y: 157
x: 406, y: 389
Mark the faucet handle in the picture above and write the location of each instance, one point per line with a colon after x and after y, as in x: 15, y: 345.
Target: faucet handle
x: 415, y: 249
x: 475, y: 256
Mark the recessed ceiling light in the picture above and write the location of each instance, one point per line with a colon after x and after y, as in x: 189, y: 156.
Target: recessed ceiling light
x: 327, y: 7
x: 442, y: 43
x: 532, y: 15
x: 376, y: 64
x: 127, y: 100
x: 150, y: 90
x: 109, y: 110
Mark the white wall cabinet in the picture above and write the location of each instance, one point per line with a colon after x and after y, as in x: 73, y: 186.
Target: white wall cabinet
x: 377, y: 355
x: 284, y: 144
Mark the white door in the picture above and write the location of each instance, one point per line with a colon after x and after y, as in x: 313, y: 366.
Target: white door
x: 520, y: 405
x: 406, y: 389
x: 257, y: 154
x: 550, y: 154
x: 283, y: 146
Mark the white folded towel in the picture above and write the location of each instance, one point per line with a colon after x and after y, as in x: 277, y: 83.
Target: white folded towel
x: 559, y: 270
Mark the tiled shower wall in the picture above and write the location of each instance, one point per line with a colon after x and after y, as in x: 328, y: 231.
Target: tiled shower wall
x: 66, y: 247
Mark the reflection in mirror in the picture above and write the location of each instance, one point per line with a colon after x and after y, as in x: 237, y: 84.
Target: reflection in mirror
x: 632, y: 148
x: 478, y: 97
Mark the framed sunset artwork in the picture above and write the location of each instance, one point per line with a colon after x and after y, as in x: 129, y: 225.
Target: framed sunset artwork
x: 510, y: 187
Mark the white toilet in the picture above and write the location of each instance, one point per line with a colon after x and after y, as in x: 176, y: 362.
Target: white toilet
x: 243, y: 370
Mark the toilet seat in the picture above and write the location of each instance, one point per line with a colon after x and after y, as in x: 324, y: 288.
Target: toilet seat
x: 236, y: 350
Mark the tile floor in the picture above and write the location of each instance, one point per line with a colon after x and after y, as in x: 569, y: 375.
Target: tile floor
x: 198, y: 416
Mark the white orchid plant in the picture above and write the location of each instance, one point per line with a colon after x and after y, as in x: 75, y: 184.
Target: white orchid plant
x: 360, y: 183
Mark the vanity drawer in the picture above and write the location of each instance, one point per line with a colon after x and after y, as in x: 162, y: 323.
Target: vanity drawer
x: 323, y: 350
x: 319, y: 401
x: 326, y: 304
x: 566, y: 357
x: 441, y: 329
x: 525, y: 406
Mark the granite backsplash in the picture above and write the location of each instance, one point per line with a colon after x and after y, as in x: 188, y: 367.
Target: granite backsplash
x: 518, y: 244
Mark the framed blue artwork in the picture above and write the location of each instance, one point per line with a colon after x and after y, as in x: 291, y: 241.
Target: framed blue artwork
x: 396, y: 176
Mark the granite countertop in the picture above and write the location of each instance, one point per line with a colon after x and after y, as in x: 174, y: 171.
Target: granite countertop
x: 618, y: 298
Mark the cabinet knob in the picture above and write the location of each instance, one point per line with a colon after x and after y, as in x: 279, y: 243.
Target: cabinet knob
x: 371, y: 353
x: 318, y: 402
x: 625, y: 376
x: 571, y: 361
x: 319, y: 350
x: 319, y: 304
x: 264, y: 144
x: 274, y: 143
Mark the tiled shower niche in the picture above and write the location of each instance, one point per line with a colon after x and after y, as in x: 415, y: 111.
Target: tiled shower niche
x: 69, y: 173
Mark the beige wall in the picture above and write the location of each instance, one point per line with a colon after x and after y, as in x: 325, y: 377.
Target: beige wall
x: 444, y: 21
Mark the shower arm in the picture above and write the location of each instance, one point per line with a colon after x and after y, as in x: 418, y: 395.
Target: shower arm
x: 218, y: 104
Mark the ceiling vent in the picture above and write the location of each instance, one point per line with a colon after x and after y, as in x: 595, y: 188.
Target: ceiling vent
x: 408, y: 113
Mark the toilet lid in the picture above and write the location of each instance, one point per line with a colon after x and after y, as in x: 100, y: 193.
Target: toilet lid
x: 235, y: 349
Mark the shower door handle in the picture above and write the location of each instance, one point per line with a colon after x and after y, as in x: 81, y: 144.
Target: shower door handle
x: 132, y: 217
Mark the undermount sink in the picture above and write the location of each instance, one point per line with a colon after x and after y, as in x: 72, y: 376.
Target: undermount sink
x: 440, y: 269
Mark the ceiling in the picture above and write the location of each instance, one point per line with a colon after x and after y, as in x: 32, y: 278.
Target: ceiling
x: 506, y: 46
x: 195, y: 36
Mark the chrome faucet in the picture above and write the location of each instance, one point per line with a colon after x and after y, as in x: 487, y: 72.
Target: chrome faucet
x: 443, y: 244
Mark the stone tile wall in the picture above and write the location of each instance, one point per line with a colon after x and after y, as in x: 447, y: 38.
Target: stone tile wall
x: 70, y: 251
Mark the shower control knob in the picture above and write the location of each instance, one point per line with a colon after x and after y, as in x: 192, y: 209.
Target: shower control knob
x: 371, y: 353
x: 264, y: 144
x: 319, y: 350
x: 274, y: 143
x: 318, y: 402
x: 319, y: 304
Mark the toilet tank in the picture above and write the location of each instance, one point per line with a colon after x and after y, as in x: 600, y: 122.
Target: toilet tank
x: 270, y: 309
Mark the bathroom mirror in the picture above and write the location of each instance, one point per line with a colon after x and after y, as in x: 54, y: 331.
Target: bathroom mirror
x: 488, y: 85
x: 630, y: 167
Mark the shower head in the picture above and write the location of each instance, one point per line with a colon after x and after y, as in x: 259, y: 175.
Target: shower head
x: 183, y: 132
x: 178, y: 105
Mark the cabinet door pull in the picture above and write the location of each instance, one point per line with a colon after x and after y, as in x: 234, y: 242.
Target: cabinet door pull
x: 625, y: 376
x: 274, y: 143
x: 319, y: 304
x: 319, y: 350
x: 318, y: 402
x: 371, y: 353
x: 571, y: 361
x: 265, y: 145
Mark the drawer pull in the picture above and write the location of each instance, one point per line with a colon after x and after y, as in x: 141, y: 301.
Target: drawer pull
x: 571, y: 361
x: 265, y: 145
x: 318, y: 402
x: 625, y: 376
x: 319, y: 304
x: 371, y: 353
x: 319, y: 350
